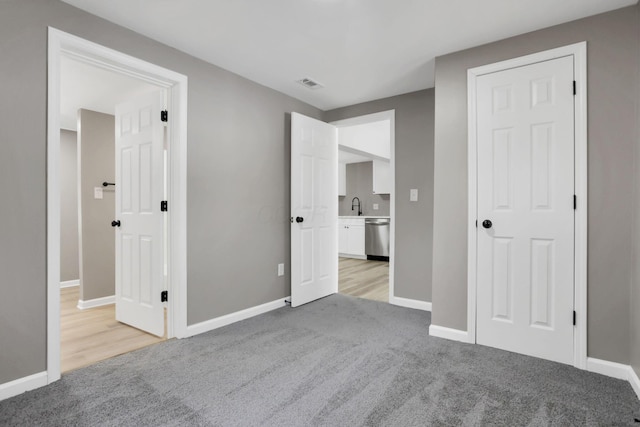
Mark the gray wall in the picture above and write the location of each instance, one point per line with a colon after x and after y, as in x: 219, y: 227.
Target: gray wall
x: 360, y: 184
x: 414, y: 160
x: 96, y: 148
x: 238, y: 178
x: 635, y: 290
x: 68, y: 206
x: 612, y: 73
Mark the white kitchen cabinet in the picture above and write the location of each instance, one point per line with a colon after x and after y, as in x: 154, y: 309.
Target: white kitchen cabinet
x: 351, y: 237
x: 342, y: 179
x: 343, y: 237
x: 381, y: 177
x: 355, y: 242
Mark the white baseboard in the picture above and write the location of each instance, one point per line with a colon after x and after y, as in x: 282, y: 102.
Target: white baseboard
x: 19, y: 386
x: 610, y: 369
x: 218, y: 322
x: 634, y: 381
x: 341, y: 255
x: 69, y: 283
x: 615, y: 370
x: 97, y: 302
x: 410, y: 303
x: 449, y: 333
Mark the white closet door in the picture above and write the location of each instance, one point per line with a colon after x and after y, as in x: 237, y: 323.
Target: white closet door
x: 525, y: 280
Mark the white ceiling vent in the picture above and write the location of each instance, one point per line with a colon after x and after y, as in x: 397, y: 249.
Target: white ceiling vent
x: 310, y: 83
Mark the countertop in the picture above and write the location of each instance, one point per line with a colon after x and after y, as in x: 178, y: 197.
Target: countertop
x: 363, y: 216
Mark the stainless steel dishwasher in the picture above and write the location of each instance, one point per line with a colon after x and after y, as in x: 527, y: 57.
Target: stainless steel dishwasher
x: 376, y: 238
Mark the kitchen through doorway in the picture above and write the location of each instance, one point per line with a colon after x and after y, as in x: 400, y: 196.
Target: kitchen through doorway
x: 366, y: 205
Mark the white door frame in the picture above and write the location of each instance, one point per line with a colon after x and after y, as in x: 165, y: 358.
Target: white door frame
x: 370, y: 118
x: 579, y: 52
x: 64, y: 44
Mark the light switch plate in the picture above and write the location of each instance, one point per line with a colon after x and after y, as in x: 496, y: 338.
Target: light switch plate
x: 413, y: 195
x: 375, y: 206
x: 280, y: 269
x: 97, y: 193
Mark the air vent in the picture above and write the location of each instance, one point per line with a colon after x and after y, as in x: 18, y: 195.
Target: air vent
x: 310, y: 83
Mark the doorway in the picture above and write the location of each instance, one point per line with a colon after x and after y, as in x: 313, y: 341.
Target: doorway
x: 90, y: 329
x: 315, y: 237
x: 527, y: 205
x: 65, y: 45
x: 314, y: 204
x: 366, y: 226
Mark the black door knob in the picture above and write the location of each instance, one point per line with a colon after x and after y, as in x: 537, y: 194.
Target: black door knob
x: 115, y: 223
x: 299, y: 219
x: 487, y: 223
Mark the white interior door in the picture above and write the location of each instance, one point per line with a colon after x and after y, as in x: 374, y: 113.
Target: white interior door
x: 139, y: 192
x: 525, y: 258
x: 314, y: 209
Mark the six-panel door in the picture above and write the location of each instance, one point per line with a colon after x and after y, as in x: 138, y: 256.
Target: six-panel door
x: 525, y: 262
x: 314, y: 209
x: 139, y: 191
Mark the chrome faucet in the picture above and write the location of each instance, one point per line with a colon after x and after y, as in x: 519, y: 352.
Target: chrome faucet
x: 359, y: 207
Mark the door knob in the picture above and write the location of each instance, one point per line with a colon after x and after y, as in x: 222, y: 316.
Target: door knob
x: 487, y: 223
x: 115, y: 223
x: 299, y: 219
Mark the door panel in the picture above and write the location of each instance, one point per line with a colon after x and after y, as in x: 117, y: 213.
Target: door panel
x: 314, y: 185
x: 525, y: 187
x: 139, y: 191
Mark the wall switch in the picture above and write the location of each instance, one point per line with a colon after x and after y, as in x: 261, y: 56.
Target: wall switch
x: 413, y: 195
x: 280, y: 269
x: 97, y: 193
x: 375, y: 206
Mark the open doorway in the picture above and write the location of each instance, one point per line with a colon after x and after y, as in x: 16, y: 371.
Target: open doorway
x: 89, y: 329
x: 366, y: 205
x: 61, y: 46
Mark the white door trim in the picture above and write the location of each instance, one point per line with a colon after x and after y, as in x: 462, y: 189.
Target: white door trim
x: 61, y: 43
x: 370, y: 118
x: 579, y: 52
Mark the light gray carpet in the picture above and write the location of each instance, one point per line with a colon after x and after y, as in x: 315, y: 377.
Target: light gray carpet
x: 340, y: 361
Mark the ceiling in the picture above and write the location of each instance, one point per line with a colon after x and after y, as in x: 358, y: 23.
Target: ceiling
x: 359, y: 50
x: 92, y: 88
x: 348, y: 157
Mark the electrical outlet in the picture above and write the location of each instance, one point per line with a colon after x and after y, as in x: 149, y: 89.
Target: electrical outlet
x: 97, y: 193
x: 375, y: 206
x: 413, y: 195
x: 280, y: 269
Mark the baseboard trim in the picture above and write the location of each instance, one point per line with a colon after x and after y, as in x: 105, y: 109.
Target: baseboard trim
x: 97, y: 302
x: 615, y: 370
x: 410, y: 303
x: 610, y: 369
x: 449, y: 333
x: 218, y: 322
x: 341, y: 255
x: 21, y: 385
x: 69, y: 283
x: 634, y: 381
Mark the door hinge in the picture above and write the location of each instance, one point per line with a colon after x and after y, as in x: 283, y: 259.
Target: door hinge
x: 164, y: 206
x: 575, y: 202
x: 164, y: 115
x: 164, y: 296
x: 574, y: 318
x: 476, y: 223
x: 575, y: 88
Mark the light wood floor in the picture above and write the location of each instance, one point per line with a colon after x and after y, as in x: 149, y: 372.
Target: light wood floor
x: 88, y: 336
x: 364, y: 279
